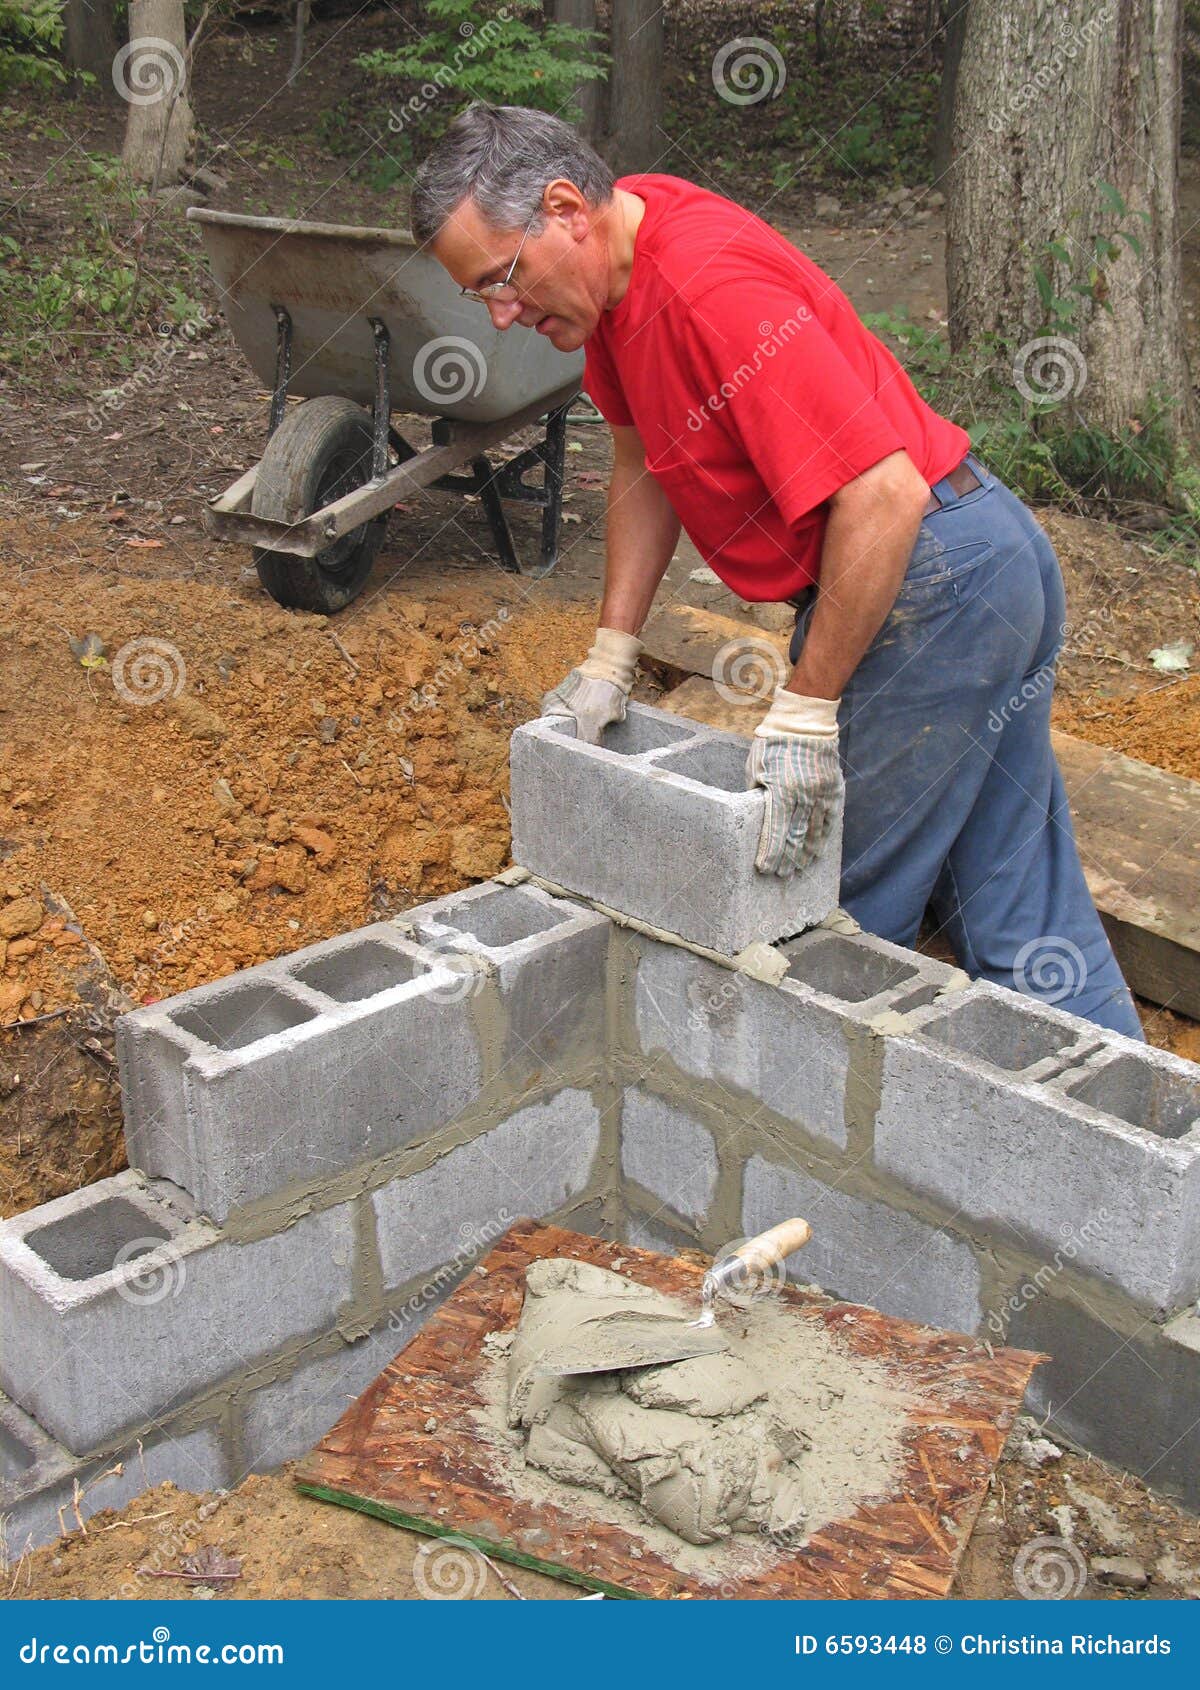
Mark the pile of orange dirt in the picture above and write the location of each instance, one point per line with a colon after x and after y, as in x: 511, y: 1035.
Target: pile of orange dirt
x: 210, y: 780
x: 1159, y: 726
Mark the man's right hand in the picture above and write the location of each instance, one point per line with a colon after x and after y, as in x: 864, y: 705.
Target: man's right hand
x: 595, y: 694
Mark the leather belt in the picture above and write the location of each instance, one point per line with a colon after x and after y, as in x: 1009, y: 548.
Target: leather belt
x: 963, y: 480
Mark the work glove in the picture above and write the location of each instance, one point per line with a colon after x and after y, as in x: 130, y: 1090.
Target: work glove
x: 794, y: 755
x: 595, y: 694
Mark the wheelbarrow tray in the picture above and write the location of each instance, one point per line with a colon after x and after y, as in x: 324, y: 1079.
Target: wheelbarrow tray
x: 332, y: 279
x: 362, y: 325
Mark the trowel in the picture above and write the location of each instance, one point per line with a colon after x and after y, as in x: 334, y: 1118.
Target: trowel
x: 643, y: 1338
x: 747, y: 1265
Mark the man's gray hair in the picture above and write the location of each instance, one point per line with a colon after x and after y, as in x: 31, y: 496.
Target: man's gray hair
x: 504, y: 158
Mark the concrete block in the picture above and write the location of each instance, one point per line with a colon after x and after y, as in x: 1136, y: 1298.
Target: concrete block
x: 867, y: 1251
x: 868, y: 973
x: 40, y: 1477
x: 657, y: 822
x: 283, y: 1076
x: 791, y: 1047
x: 532, y: 1164
x: 1027, y: 1122
x: 117, y: 1307
x: 668, y: 1153
x: 283, y: 1418
x: 653, y: 1232
x: 1125, y: 1388
x: 547, y: 959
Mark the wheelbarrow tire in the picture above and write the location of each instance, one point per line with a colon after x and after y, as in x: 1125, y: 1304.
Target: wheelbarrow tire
x: 320, y: 451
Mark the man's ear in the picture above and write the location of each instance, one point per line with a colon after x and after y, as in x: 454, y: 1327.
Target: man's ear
x: 563, y: 201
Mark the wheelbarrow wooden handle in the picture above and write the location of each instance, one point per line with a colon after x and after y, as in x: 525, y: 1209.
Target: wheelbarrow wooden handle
x: 774, y: 1245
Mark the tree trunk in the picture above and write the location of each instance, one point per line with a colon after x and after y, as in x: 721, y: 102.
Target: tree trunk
x: 1063, y: 105
x: 299, y: 27
x: 589, y: 96
x: 636, y: 140
x: 90, y: 42
x: 952, y: 40
x: 153, y: 77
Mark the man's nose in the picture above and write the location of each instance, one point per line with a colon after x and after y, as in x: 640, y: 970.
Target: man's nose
x: 504, y: 312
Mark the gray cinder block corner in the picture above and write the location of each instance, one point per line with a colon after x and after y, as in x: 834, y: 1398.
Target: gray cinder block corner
x: 116, y: 1307
x: 658, y: 823
x: 1042, y: 1129
x: 547, y: 958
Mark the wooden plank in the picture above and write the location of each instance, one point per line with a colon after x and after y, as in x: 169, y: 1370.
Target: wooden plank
x: 699, y: 700
x: 681, y: 640
x: 380, y: 1458
x: 1138, y: 830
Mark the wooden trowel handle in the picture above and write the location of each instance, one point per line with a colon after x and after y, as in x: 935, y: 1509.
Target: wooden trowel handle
x: 774, y: 1245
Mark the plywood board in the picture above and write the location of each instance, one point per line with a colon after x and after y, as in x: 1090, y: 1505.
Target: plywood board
x: 381, y: 1459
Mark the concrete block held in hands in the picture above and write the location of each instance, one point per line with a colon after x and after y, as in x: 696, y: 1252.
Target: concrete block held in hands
x: 657, y: 822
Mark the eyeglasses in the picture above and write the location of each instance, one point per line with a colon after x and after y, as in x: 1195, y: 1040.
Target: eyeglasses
x: 505, y: 292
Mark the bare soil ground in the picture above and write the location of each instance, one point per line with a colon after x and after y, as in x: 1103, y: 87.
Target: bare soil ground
x: 290, y: 1546
x: 289, y: 787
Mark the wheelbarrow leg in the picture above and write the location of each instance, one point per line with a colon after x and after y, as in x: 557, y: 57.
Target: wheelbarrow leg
x: 489, y: 493
x: 507, y: 481
x: 383, y: 401
x: 553, y: 453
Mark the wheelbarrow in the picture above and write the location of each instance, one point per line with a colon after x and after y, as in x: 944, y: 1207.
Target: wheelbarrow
x: 362, y: 324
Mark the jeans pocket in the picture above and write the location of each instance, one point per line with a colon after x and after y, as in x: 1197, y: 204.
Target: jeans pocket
x: 943, y: 554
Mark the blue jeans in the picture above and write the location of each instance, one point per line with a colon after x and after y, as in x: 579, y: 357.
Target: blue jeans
x: 953, y: 795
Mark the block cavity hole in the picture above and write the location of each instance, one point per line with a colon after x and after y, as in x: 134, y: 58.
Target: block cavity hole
x: 239, y: 1017
x: 642, y: 733
x: 359, y: 971
x: 846, y: 971
x: 1138, y: 1092
x: 717, y: 764
x: 89, y: 1243
x: 502, y: 918
x: 1012, y: 1039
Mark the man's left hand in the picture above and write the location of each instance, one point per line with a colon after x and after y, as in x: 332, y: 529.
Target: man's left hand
x: 794, y: 755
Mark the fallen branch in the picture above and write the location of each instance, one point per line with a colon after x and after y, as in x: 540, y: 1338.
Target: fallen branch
x: 192, y: 1578
x: 338, y: 643
x: 34, y: 1020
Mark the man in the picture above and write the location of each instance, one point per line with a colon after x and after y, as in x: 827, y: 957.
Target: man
x: 748, y: 403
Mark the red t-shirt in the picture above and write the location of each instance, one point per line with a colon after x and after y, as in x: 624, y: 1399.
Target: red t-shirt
x: 753, y: 384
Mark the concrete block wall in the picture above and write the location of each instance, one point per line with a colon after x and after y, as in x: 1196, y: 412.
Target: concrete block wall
x: 264, y: 1086
x: 321, y: 1150
x: 658, y: 823
x: 967, y: 1157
